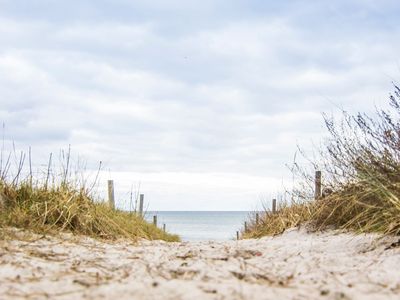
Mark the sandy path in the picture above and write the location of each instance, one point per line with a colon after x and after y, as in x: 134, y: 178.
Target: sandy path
x: 295, y: 265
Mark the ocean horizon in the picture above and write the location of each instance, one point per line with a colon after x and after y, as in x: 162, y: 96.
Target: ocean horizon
x: 201, y: 225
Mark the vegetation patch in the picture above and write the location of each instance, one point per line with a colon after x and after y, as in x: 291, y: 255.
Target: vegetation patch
x: 64, y: 206
x: 360, y: 163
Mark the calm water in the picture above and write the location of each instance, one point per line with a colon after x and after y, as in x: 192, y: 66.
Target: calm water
x: 201, y: 225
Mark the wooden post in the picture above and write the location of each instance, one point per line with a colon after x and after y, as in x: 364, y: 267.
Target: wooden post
x: 155, y: 220
x: 273, y: 206
x: 111, y: 200
x: 164, y: 228
x: 257, y: 219
x: 2, y: 201
x: 245, y: 226
x: 141, y: 200
x: 318, y: 184
x: 237, y: 235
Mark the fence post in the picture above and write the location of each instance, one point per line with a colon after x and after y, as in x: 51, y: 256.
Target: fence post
x: 237, y: 235
x: 273, y: 206
x: 318, y: 183
x: 111, y: 200
x: 164, y: 228
x: 155, y: 220
x: 245, y: 226
x: 257, y: 219
x: 141, y: 200
x: 2, y: 201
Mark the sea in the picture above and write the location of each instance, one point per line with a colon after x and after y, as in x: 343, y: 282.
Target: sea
x: 201, y: 225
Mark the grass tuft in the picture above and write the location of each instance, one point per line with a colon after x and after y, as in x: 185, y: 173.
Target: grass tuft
x: 287, y: 216
x: 45, y: 208
x: 361, y: 164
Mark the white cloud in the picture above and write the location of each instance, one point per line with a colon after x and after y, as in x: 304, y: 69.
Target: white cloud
x: 206, y: 106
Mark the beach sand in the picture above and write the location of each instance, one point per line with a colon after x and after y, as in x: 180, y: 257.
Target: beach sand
x: 294, y: 265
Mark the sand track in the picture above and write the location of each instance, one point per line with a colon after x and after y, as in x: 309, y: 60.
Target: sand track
x: 295, y: 265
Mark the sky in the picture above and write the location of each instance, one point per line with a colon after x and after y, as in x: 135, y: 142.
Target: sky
x: 200, y: 105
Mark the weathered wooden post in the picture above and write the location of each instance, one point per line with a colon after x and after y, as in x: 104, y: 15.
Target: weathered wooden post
x: 111, y: 200
x: 2, y: 201
x: 155, y: 221
x: 237, y: 235
x: 141, y: 200
x: 164, y: 227
x: 273, y: 206
x: 245, y: 226
x: 257, y: 219
x: 318, y: 184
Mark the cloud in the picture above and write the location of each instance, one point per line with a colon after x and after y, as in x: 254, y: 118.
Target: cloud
x: 186, y: 96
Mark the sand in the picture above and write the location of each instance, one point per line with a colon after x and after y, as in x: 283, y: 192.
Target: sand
x: 294, y: 265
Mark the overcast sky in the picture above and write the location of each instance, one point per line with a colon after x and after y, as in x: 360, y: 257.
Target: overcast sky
x: 202, y: 102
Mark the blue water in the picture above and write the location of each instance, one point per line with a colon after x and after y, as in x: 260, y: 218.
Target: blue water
x: 201, y: 225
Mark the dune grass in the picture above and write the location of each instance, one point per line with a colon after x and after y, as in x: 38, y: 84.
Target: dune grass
x: 287, y: 216
x: 63, y: 206
x: 361, y: 167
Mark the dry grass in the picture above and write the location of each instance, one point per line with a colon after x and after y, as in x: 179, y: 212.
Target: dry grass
x: 51, y: 207
x: 361, y: 164
x: 287, y: 216
x: 363, y: 207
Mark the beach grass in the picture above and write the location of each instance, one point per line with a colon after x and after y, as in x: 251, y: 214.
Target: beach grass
x: 286, y: 216
x: 59, y: 204
x: 360, y: 162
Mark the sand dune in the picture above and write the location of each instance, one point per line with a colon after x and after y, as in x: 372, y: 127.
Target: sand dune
x: 295, y: 265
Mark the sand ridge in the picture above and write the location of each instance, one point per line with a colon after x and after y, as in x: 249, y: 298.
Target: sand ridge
x: 294, y: 265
